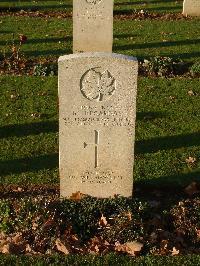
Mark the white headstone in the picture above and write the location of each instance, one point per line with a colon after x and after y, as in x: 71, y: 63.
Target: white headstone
x: 97, y: 99
x: 191, y: 7
x: 92, y: 25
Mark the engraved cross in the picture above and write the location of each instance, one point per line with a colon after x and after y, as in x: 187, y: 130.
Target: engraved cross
x: 96, y: 144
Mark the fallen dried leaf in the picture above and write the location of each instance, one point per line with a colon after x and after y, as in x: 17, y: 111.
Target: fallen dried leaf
x: 164, y: 244
x: 192, y: 189
x: 191, y: 160
x: 77, y: 196
x: 17, y: 238
x: 175, y: 251
x: 129, y: 215
x: 22, y: 38
x: 103, y: 221
x: 61, y: 247
x: 191, y: 93
x: 198, y: 233
x: 5, y: 249
x: 131, y: 248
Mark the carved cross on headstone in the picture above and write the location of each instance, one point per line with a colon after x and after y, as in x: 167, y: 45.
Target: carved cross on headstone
x: 96, y: 144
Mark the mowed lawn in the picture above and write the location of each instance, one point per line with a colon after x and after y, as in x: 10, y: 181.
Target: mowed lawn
x: 163, y: 6
x: 167, y: 147
x: 52, y: 37
x: 167, y: 131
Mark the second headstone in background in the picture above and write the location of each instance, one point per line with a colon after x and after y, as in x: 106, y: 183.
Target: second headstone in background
x: 92, y: 25
x: 191, y: 7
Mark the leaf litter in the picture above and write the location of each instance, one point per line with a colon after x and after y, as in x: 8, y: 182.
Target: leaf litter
x: 43, y: 224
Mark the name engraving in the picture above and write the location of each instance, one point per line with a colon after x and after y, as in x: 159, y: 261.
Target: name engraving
x: 103, y: 115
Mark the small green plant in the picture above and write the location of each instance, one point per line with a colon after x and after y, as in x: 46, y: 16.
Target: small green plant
x: 195, y: 69
x: 44, y: 70
x: 161, y: 66
x: 5, y: 213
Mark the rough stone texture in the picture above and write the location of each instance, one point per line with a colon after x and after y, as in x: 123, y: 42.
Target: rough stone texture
x: 97, y: 99
x: 92, y: 25
x: 191, y: 7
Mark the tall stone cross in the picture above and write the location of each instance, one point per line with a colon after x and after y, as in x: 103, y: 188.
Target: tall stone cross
x: 92, y: 26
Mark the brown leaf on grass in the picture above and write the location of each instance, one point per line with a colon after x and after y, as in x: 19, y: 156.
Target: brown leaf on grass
x: 12, y: 245
x: 132, y: 248
x: 191, y: 93
x: 103, y: 222
x: 98, y: 245
x: 198, y: 233
x: 5, y: 249
x: 61, y: 247
x: 28, y: 248
x: 128, y: 215
x: 94, y: 249
x: 18, y: 189
x: 77, y: 196
x: 191, y: 160
x: 164, y: 244
x: 22, y: 38
x: 175, y: 251
x: 17, y: 239
x: 49, y: 223
x: 192, y: 189
x: 164, y: 249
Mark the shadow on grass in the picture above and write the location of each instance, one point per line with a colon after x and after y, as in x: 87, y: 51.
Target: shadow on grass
x: 146, y: 8
x: 35, y: 164
x: 153, y: 45
x: 150, y: 115
x: 51, y: 52
x: 42, y: 40
x: 142, y: 2
x: 4, y: 32
x: 50, y: 40
x: 34, y: 7
x: 168, y: 184
x: 167, y: 143
x: 125, y: 35
x: 22, y: 130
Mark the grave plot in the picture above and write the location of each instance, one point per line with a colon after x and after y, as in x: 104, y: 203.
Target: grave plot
x: 102, y: 150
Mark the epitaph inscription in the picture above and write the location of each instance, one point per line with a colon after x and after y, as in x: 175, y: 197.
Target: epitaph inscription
x: 96, y: 137
x: 92, y: 26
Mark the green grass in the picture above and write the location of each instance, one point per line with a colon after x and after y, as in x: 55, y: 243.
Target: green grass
x: 111, y: 259
x: 167, y: 131
x: 29, y: 145
x: 122, y: 6
x: 144, y: 39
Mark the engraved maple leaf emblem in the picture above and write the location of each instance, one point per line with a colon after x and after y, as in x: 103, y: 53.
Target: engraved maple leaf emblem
x: 97, y: 86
